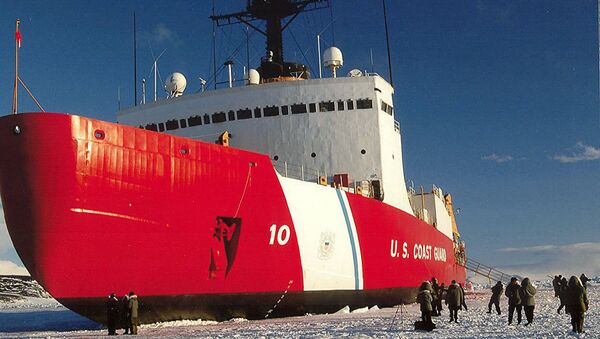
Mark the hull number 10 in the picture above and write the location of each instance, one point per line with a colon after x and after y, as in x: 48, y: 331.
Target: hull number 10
x: 282, y: 233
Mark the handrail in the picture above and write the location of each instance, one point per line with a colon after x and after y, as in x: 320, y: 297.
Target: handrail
x: 487, y: 271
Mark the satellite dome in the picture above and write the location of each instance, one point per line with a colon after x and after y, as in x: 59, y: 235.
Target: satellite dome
x: 175, y: 84
x: 332, y: 59
x: 253, y: 77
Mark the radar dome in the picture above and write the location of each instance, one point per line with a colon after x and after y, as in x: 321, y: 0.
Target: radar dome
x: 355, y: 73
x: 332, y: 59
x: 175, y: 84
x: 253, y: 77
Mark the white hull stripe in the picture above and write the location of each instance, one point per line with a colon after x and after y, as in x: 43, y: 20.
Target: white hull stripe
x: 356, y: 257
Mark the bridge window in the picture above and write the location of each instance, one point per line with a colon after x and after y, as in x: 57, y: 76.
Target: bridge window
x: 244, y: 114
x: 364, y: 103
x: 172, y: 124
x: 218, y: 117
x: 340, y: 105
x: 206, y: 119
x: 312, y: 108
x: 152, y: 127
x: 326, y: 106
x: 350, y: 104
x: 195, y: 120
x: 284, y: 110
x: 298, y: 108
x: 271, y: 111
x: 231, y: 115
x: 161, y: 127
x: 257, y: 112
x: 182, y: 123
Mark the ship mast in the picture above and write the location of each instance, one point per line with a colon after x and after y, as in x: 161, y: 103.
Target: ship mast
x: 273, y: 12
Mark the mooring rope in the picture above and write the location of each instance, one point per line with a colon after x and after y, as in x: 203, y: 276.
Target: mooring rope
x: 280, y: 299
x: 250, y: 165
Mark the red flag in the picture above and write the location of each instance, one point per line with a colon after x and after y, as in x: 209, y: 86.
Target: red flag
x: 18, y: 37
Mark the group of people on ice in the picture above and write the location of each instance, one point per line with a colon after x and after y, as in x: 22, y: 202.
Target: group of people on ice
x: 521, y: 297
x: 124, y: 312
x: 573, y: 297
x: 430, y: 298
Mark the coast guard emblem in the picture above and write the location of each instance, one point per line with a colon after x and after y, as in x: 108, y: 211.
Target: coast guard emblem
x: 326, y: 244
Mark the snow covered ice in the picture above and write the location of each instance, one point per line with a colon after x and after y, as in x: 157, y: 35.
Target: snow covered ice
x: 38, y: 317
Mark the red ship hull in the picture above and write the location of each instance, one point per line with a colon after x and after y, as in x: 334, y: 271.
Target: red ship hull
x: 94, y: 207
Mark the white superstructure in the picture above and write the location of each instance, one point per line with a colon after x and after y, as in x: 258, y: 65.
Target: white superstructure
x: 329, y: 126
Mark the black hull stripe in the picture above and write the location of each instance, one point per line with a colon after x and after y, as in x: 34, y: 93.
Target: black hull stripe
x: 222, y: 307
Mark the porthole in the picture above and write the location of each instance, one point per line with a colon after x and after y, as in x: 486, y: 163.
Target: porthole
x: 99, y: 134
x: 184, y: 150
x: 313, y: 154
x: 362, y: 151
x: 276, y: 158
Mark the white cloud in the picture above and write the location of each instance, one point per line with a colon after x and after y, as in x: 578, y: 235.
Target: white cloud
x: 161, y: 35
x: 10, y: 268
x: 497, y: 158
x: 582, y: 152
x: 542, y: 261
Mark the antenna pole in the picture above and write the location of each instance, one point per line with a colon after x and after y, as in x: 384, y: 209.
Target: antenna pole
x: 214, y: 47
x: 16, y: 89
x: 143, y: 91
x: 119, y: 98
x: 387, y: 39
x: 155, y: 65
x: 134, y: 63
x: 319, y: 52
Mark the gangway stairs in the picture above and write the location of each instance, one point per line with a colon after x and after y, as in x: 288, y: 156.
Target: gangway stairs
x: 488, y: 272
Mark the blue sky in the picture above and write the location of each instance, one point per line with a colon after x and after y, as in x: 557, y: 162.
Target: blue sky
x: 498, y: 100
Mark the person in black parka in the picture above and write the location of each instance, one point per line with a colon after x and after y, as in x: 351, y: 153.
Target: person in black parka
x: 527, y: 299
x: 462, y: 302
x: 125, y: 314
x: 562, y: 295
x: 495, y: 299
x: 112, y: 313
x: 556, y: 285
x: 514, y: 299
x: 454, y: 298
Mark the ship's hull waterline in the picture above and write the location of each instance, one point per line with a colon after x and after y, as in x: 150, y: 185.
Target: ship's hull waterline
x: 198, y: 230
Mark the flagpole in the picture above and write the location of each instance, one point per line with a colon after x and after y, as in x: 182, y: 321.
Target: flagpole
x: 16, y: 89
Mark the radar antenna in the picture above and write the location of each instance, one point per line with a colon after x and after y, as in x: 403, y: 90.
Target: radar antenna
x: 273, y: 12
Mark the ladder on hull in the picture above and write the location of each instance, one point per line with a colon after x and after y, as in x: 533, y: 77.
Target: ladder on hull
x: 488, y: 272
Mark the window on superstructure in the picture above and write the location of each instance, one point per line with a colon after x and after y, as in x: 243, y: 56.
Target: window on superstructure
x: 298, y: 108
x: 218, y: 117
x: 384, y: 106
x: 161, y: 127
x: 326, y: 106
x: 182, y: 123
x: 172, y: 124
x: 350, y: 104
x: 152, y: 127
x: 284, y: 110
x: 312, y: 108
x: 206, y: 119
x: 271, y: 111
x: 231, y: 115
x: 196, y: 120
x: 364, y: 103
x: 390, y: 110
x: 257, y: 112
x: 244, y: 114
x: 340, y: 105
